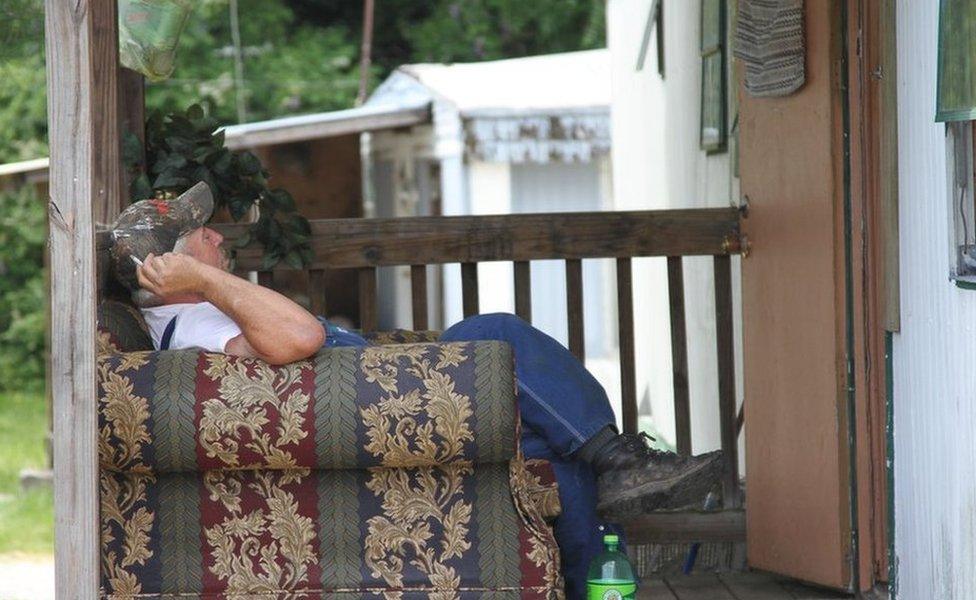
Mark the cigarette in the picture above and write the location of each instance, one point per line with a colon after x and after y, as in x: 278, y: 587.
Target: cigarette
x: 136, y: 260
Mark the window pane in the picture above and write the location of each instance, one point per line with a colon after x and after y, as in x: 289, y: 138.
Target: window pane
x: 957, y: 61
x: 711, y: 24
x: 713, y: 103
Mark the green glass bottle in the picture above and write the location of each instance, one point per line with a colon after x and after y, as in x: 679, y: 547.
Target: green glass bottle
x: 611, y: 577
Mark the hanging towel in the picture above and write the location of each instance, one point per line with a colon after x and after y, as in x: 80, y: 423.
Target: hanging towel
x: 769, y: 40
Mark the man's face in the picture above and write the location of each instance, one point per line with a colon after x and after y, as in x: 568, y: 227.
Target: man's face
x: 204, y: 244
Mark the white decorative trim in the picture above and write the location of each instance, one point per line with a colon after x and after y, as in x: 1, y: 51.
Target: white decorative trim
x: 540, y: 138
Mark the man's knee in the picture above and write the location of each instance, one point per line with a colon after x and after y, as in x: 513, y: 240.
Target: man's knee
x: 488, y: 326
x: 498, y: 320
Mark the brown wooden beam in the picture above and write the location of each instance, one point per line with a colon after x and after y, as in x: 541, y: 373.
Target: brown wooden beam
x: 687, y: 526
x: 523, y: 290
x: 418, y: 293
x: 469, y: 289
x: 316, y: 292
x: 82, y: 65
x: 625, y: 329
x: 132, y: 113
x: 104, y: 94
x: 574, y: 308
x: 367, y: 299
x: 725, y: 349
x: 679, y: 355
x: 348, y: 243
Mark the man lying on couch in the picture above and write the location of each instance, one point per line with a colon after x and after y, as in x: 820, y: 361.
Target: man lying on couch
x: 178, y: 274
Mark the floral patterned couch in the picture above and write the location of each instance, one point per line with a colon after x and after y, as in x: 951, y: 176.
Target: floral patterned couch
x: 387, y: 471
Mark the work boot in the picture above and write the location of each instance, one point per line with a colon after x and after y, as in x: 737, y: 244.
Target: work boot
x: 636, y: 479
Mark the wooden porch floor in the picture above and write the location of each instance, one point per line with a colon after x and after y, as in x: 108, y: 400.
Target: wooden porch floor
x: 731, y: 586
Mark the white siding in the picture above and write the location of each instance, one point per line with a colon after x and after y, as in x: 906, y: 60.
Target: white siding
x: 935, y: 353
x: 658, y: 164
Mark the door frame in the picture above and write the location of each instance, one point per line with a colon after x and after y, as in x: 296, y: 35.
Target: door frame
x: 872, y: 198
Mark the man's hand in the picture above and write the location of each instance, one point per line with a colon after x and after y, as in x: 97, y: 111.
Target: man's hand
x: 172, y: 275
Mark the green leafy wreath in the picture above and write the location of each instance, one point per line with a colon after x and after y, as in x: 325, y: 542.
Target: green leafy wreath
x: 183, y: 148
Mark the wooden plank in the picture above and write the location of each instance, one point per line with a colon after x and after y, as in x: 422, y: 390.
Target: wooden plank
x: 82, y: 62
x: 418, y: 293
x: 726, y: 379
x: 625, y: 328
x: 367, y: 299
x: 679, y: 355
x: 316, y: 291
x: 354, y: 243
x: 574, y: 307
x: 687, y: 526
x: 754, y: 586
x: 132, y: 118
x: 699, y: 587
x: 469, y: 289
x: 107, y: 142
x: 888, y: 167
x: 523, y: 290
x: 800, y: 591
x: 266, y: 279
x: 654, y: 589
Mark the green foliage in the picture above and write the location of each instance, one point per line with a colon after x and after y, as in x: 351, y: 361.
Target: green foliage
x: 23, y: 109
x: 23, y: 233
x: 22, y: 33
x: 182, y: 148
x: 465, y: 30
x: 471, y: 30
x: 23, y: 104
x: 289, y: 66
x: 299, y: 56
x: 26, y: 517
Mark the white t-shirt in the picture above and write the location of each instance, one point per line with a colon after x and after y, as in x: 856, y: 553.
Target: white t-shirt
x: 199, y: 325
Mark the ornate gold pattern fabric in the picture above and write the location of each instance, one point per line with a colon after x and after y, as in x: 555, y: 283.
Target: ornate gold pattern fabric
x: 386, y: 471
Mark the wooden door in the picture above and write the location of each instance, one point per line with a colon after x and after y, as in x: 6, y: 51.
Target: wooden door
x: 795, y: 331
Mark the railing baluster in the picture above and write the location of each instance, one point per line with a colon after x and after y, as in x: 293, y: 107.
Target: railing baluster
x: 316, y: 291
x: 266, y: 279
x: 574, y: 307
x: 367, y: 298
x: 523, y: 290
x: 469, y: 288
x: 418, y: 293
x: 625, y: 327
x: 679, y: 355
x: 726, y: 378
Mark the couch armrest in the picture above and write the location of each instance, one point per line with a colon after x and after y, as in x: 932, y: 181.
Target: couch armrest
x: 391, y: 406
x: 542, y: 488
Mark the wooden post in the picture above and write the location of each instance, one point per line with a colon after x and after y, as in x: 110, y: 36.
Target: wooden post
x: 625, y: 329
x: 132, y: 115
x: 106, y: 140
x: 82, y: 69
x: 574, y: 308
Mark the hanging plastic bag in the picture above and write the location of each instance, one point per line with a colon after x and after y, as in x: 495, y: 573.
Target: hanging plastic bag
x: 149, y: 31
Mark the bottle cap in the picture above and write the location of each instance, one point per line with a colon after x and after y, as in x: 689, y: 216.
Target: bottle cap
x: 611, y: 539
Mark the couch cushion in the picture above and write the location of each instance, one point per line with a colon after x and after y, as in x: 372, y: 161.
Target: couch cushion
x: 121, y: 328
x: 457, y: 531
x: 392, y: 406
x: 401, y: 336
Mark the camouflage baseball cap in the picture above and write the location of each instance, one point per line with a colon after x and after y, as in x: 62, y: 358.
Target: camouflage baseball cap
x: 154, y: 226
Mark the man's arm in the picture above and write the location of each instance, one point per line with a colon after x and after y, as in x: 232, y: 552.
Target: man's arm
x: 273, y: 327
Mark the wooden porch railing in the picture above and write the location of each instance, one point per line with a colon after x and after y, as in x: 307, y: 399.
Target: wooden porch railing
x: 365, y: 244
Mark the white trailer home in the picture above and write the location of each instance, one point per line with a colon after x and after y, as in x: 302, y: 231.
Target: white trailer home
x: 525, y: 135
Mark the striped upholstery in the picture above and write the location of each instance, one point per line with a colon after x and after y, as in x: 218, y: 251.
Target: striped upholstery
x: 388, y: 471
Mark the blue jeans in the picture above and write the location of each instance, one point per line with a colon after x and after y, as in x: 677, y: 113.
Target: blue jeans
x: 562, y: 405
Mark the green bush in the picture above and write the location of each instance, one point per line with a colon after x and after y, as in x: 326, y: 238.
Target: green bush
x: 23, y: 232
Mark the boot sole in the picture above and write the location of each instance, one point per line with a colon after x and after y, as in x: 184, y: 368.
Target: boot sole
x: 668, y: 493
